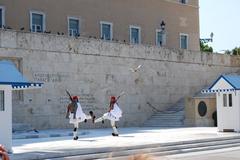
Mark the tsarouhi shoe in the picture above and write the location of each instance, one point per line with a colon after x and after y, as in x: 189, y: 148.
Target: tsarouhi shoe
x: 114, y: 134
x: 75, y: 138
x: 91, y: 113
x: 85, y: 120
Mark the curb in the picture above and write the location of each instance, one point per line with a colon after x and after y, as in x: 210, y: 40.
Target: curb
x: 50, y: 135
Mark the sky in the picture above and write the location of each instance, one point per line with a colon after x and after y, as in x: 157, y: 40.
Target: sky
x: 222, y: 17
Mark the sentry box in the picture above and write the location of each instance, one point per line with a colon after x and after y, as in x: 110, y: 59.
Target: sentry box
x: 227, y: 90
x: 10, y: 79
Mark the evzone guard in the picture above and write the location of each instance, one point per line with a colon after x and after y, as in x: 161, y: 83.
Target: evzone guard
x: 76, y: 115
x: 113, y: 114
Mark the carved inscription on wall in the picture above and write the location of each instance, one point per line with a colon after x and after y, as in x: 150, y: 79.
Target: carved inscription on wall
x: 162, y: 74
x: 88, y: 102
x: 64, y: 100
x: 49, y: 77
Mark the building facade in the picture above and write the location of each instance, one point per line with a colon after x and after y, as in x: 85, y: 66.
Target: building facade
x: 95, y: 69
x: 168, y: 23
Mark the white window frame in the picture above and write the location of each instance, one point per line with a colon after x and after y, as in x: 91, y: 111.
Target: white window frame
x: 111, y: 29
x: 164, y: 37
x: 227, y: 100
x: 3, y: 15
x: 130, y: 33
x: 180, y: 42
x: 180, y: 1
x: 79, y: 23
x: 44, y: 19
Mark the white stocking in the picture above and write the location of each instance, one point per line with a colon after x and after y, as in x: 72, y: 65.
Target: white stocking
x: 75, y: 129
x: 114, y: 127
x: 99, y: 119
x: 105, y: 116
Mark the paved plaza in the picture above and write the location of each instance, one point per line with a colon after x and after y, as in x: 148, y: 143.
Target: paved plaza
x: 100, y: 141
x: 221, y: 154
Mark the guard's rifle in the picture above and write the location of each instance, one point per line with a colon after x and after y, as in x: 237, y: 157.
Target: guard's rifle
x: 70, y: 97
x: 121, y: 94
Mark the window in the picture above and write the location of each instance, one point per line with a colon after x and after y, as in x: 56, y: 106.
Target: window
x: 160, y: 38
x: 224, y: 100
x: 183, y: 41
x: 227, y: 100
x: 73, y: 26
x: 2, y: 16
x: 2, y: 101
x: 106, y: 30
x: 230, y: 100
x: 37, y: 21
x: 135, y: 35
x: 183, y: 1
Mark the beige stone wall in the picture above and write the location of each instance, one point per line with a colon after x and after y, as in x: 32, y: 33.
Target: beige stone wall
x: 147, y: 14
x: 95, y: 70
x: 192, y: 117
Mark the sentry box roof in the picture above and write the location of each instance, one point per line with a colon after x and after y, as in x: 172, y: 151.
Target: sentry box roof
x: 9, y: 75
x: 224, y: 83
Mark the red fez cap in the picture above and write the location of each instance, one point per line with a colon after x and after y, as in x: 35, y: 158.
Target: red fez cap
x: 113, y: 98
x: 75, y: 97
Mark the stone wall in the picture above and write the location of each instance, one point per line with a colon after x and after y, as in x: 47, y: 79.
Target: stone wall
x: 95, y: 69
x: 192, y: 117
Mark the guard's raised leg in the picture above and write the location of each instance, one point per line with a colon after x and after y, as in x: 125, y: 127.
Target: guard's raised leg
x: 101, y: 119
